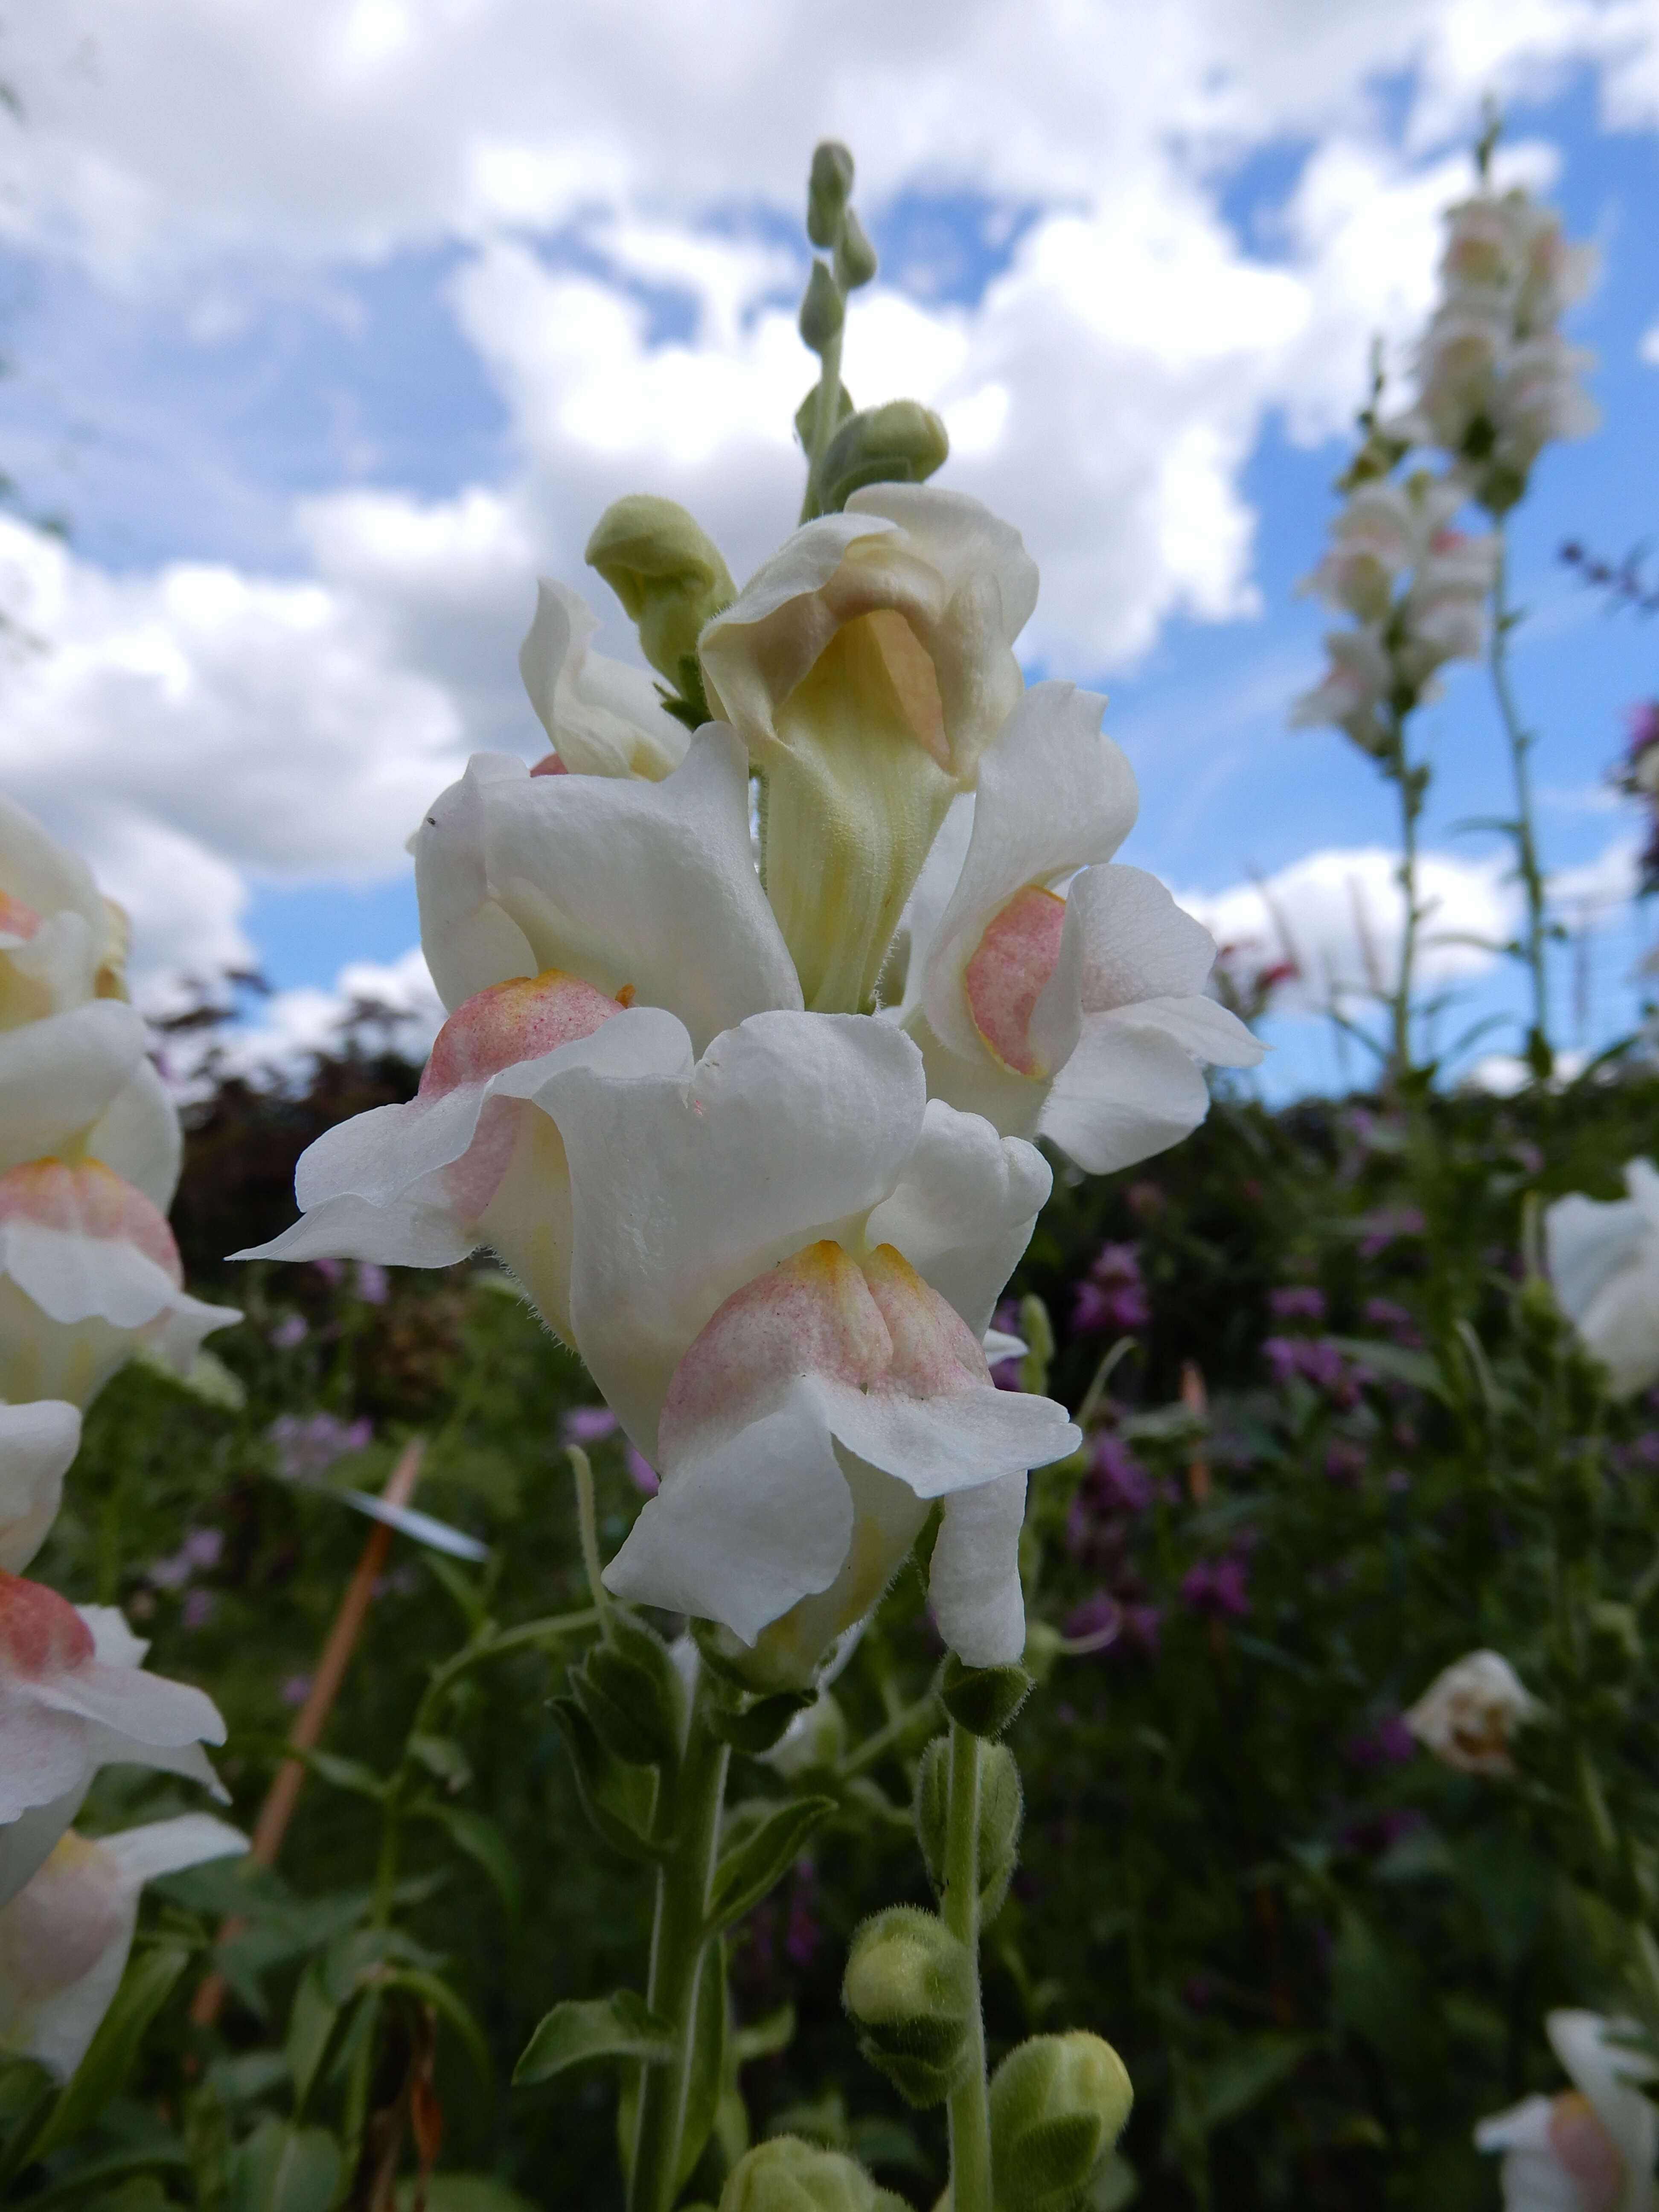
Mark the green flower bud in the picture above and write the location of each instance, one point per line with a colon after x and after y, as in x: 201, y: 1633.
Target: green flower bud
x: 822, y: 311
x: 902, y: 442
x: 1058, y: 2104
x: 856, y: 258
x: 1001, y: 1811
x: 909, y: 1989
x: 789, y: 2175
x: 983, y: 1699
x: 668, y: 574
x: 828, y: 191
x: 1615, y: 1643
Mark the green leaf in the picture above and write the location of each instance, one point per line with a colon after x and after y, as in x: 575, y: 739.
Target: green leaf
x: 241, y: 2081
x: 708, y: 2066
x: 448, y: 2005
x: 313, y: 2019
x: 1380, y: 1994
x: 96, y: 2173
x: 145, y: 1988
x: 756, y: 1729
x: 348, y: 1774
x: 633, y: 1703
x: 807, y: 414
x: 764, y: 2039
x: 443, y: 1758
x: 464, y: 2192
x: 282, y: 2168
x: 744, y: 1876
x: 983, y: 1699
x: 616, y: 1798
x: 620, y: 2029
x: 1393, y: 1362
x: 206, y: 1377
x: 479, y: 1836
x: 1114, y: 2186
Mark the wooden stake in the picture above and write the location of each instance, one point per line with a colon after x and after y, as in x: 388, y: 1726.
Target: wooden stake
x: 284, y: 1794
x: 1196, y: 1400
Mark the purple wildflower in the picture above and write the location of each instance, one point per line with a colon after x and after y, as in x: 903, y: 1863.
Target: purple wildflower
x: 374, y: 1284
x: 1117, y: 1477
x: 1219, y: 1587
x: 641, y: 1473
x: 332, y: 1272
x: 295, y: 1689
x: 1114, y: 1297
x: 1390, y: 1225
x: 588, y: 1424
x: 1393, y: 1321
x: 1390, y: 1743
x: 200, y: 1608
x: 291, y: 1330
x: 1297, y: 1302
x: 307, y: 1444
x: 1344, y: 1463
x: 801, y: 1931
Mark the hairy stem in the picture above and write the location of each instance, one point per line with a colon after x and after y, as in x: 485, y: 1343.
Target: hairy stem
x: 969, y: 2110
x: 1411, y: 783
x: 1535, y: 944
x: 823, y: 422
x: 687, y: 1824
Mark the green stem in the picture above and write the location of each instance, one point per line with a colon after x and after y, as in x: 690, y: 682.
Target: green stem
x: 970, y: 2110
x: 823, y: 422
x: 1527, y: 865
x: 687, y: 1824
x: 1411, y: 783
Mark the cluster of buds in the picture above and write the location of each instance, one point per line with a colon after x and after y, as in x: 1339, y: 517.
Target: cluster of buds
x: 1496, y: 381
x: 1416, y: 588
x: 89, y: 1278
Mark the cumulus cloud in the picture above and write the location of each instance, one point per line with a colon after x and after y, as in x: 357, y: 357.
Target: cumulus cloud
x: 622, y: 189
x: 1338, y: 915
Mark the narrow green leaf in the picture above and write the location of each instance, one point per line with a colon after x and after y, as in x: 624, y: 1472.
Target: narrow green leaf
x: 313, y: 2021
x: 479, y: 1836
x: 282, y: 2168
x: 443, y: 1758
x: 744, y: 1876
x: 759, y: 1727
x: 95, y: 2173
x: 449, y: 2006
x: 144, y: 1990
x: 619, y: 2029
x: 616, y: 1798
x: 708, y: 2066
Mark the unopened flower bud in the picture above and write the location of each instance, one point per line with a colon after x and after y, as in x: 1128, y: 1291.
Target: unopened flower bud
x: 667, y: 572
x: 789, y: 2175
x: 1001, y: 1810
x: 829, y: 188
x: 902, y: 442
x: 1058, y: 2104
x: 856, y: 258
x: 822, y: 311
x: 909, y: 1989
x: 1470, y: 1713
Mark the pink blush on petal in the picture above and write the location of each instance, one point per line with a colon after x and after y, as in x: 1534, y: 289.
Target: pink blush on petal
x: 549, y: 764
x: 509, y: 1022
x: 40, y: 1633
x: 90, y: 1200
x: 1587, y: 2150
x: 1005, y: 978
x: 17, y: 919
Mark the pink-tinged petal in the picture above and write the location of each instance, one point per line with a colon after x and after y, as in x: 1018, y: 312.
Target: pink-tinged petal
x: 549, y: 764
x: 1006, y: 975
x: 17, y: 921
x: 1054, y: 795
x: 89, y: 1202
x: 1587, y: 2152
x: 521, y: 1020
x: 40, y: 1633
x: 37, y: 1443
x: 1609, y: 2074
x: 810, y: 1315
x: 790, y: 1128
x: 933, y: 1349
x: 973, y: 1578
x: 964, y: 1209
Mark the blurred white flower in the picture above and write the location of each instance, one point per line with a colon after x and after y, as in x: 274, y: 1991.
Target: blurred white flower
x: 37, y: 1443
x: 74, y: 1697
x: 1468, y: 1715
x: 64, y: 1937
x: 866, y: 665
x: 1590, y: 2149
x: 89, y: 1274
x: 1604, y: 1262
x: 1084, y: 1016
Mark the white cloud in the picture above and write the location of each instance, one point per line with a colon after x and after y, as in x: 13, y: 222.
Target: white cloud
x: 397, y: 1001
x: 197, y: 729
x: 1338, y: 915
x: 1649, y: 348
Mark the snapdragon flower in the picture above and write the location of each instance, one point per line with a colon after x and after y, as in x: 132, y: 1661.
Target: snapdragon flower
x: 1080, y: 1017
x: 38, y: 1443
x: 1604, y: 1262
x: 1590, y: 2149
x: 1469, y: 1714
x: 602, y: 717
x: 65, y: 1936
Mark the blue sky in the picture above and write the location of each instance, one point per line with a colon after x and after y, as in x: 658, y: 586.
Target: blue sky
x: 314, y: 415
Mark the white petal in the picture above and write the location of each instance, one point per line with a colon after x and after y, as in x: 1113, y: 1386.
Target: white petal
x: 965, y: 1208
x: 1587, y: 1243
x: 37, y: 1443
x: 402, y: 1235
x: 961, y: 537
x: 160, y: 1847
x: 1053, y: 794
x: 973, y: 1581
x: 44, y: 874
x: 935, y: 887
x: 57, y: 1076
x: 1126, y: 1093
x: 790, y: 1128
x: 27, y: 1842
x: 604, y: 717
x: 740, y: 1535
x: 652, y: 885
x: 1606, y: 2073
x: 468, y: 941
x: 1525, y: 2126
x: 1138, y: 943
x: 1620, y: 1325
x: 803, y: 564
x: 956, y: 1441
x: 138, y: 1136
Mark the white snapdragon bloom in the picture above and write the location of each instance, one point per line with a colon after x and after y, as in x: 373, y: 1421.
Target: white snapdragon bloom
x: 1081, y: 1017
x: 74, y: 1697
x: 1590, y: 2149
x: 89, y: 1274
x: 65, y: 1936
x: 1496, y: 379
x: 602, y: 717
x: 642, y: 889
x: 783, y: 1259
x: 1604, y: 1262
x: 866, y: 665
x: 1468, y: 1715
x: 38, y: 1443
x: 1352, y: 692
